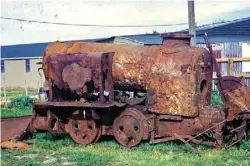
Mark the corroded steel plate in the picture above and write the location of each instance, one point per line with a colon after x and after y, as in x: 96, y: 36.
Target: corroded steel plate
x: 12, y: 128
x: 82, y: 130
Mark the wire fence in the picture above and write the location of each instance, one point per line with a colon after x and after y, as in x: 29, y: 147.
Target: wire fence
x: 7, y: 93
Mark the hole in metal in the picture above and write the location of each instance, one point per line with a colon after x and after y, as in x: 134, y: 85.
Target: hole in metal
x: 121, y: 128
x: 76, y: 126
x: 203, y: 86
x: 89, y: 127
x: 136, y: 128
x: 53, y: 123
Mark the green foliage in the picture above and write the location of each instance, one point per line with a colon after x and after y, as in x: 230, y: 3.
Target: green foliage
x: 215, y: 98
x: 20, y: 102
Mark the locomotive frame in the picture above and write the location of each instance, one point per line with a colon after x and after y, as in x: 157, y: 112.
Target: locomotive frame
x: 128, y: 119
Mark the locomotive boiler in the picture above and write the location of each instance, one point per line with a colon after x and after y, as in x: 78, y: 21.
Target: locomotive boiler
x: 157, y: 93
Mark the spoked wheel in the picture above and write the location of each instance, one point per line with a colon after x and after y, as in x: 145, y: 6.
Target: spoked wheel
x: 83, y: 131
x: 128, y: 128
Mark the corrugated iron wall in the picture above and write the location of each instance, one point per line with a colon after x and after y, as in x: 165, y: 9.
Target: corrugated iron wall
x: 228, y: 50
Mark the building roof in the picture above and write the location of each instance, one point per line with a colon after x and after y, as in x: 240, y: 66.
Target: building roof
x: 24, y: 51
x: 227, y: 27
x: 147, y: 39
x: 230, y: 31
x: 34, y: 50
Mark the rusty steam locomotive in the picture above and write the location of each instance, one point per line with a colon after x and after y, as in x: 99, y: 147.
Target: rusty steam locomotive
x: 134, y: 93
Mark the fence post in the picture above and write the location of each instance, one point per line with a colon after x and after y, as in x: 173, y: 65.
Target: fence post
x: 26, y: 89
x: 230, y: 66
x: 4, y: 91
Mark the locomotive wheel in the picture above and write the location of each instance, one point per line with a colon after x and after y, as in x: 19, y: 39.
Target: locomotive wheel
x: 83, y: 131
x: 128, y: 128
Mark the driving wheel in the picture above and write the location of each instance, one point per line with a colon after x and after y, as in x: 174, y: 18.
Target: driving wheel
x: 83, y: 131
x: 128, y: 128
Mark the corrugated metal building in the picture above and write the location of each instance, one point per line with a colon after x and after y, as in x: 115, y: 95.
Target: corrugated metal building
x: 229, y: 39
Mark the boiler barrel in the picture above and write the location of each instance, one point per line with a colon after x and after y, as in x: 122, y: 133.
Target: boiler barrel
x: 177, y: 79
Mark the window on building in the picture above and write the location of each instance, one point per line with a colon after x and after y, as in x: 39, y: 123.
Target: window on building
x: 2, y: 66
x: 27, y: 64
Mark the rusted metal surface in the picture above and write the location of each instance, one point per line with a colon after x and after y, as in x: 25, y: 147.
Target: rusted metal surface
x: 156, y: 93
x: 209, y: 46
x: 40, y: 123
x: 14, y: 128
x: 130, y: 128
x: 82, y: 73
x: 161, y: 71
x: 207, y: 118
x: 76, y: 77
x: 176, y: 39
x: 69, y: 70
x: 79, y: 104
x: 176, y: 35
x: 55, y: 125
x: 13, y: 145
x: 83, y: 129
x: 40, y: 117
x: 236, y: 95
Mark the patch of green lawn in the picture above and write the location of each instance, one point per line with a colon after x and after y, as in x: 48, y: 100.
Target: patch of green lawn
x: 48, y: 150
x: 7, y: 112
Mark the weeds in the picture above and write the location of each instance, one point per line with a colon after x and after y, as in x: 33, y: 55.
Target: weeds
x: 20, y: 102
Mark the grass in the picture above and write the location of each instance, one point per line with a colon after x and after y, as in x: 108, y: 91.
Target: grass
x: 48, y: 150
x: 215, y: 98
x: 7, y: 112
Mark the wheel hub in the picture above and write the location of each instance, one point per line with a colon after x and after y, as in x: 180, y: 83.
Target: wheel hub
x: 83, y: 131
x: 128, y: 128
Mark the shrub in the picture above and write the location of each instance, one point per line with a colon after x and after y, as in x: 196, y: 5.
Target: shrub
x: 20, y: 102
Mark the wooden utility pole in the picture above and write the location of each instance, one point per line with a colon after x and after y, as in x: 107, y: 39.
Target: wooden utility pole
x: 191, y: 22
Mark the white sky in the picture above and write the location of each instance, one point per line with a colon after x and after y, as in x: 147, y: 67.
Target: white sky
x: 106, y: 12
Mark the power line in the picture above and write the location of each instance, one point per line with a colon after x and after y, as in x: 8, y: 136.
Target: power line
x: 91, y: 25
